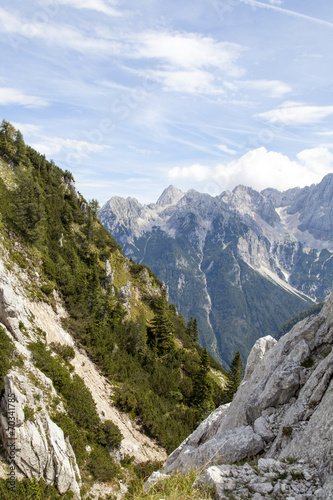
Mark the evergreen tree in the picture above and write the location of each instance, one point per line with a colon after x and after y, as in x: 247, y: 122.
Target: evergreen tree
x: 163, y: 330
x: 202, y: 389
x: 192, y: 329
x: 20, y: 153
x: 7, y: 147
x: 234, y: 375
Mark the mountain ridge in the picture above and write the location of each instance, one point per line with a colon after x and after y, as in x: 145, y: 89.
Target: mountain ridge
x: 273, y: 233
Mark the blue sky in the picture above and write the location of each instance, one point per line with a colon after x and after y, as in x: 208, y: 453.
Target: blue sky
x: 205, y: 94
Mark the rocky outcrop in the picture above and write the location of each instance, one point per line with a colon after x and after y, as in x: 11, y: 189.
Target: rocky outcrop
x: 12, y: 312
x: 41, y: 450
x: 283, y: 410
x: 108, y: 274
x: 124, y: 296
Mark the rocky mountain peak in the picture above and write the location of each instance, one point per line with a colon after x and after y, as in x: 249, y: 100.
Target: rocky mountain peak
x: 170, y: 196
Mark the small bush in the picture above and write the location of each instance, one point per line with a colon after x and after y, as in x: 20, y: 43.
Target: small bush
x: 297, y: 476
x: 101, y: 465
x: 47, y: 289
x: 307, y: 362
x: 65, y: 351
x: 29, y: 413
x: 287, y: 431
x: 110, y: 435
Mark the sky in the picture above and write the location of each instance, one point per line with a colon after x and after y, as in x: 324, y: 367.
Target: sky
x: 133, y: 96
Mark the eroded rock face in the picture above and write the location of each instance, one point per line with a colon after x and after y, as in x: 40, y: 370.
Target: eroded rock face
x: 11, y: 306
x: 282, y: 409
x: 124, y: 296
x: 41, y: 449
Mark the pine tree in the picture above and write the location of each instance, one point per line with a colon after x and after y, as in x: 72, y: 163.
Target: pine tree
x: 163, y: 330
x: 192, y: 329
x: 202, y: 389
x: 20, y: 153
x: 234, y: 375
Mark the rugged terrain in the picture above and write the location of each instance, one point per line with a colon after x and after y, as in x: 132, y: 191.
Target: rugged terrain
x: 282, y: 413
x: 99, y: 375
x: 244, y: 261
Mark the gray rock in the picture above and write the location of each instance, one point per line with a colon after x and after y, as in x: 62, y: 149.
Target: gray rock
x: 12, y: 310
x: 155, y: 477
x: 41, y: 448
x: 258, y: 351
x: 225, y: 447
x: 108, y: 274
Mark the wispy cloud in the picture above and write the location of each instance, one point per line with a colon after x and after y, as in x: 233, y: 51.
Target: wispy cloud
x: 53, y: 145
x: 273, y: 5
x: 273, y: 88
x: 293, y: 113
x: 12, y: 96
x: 50, y: 145
x: 106, y: 7
x: 226, y: 149
x: 259, y: 169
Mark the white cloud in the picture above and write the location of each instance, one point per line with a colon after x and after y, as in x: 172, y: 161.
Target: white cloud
x: 53, y: 145
x: 56, y: 34
x: 276, y: 2
x: 191, y: 82
x: 11, y: 96
x: 293, y: 113
x: 274, y: 5
x: 189, y: 51
x: 28, y: 128
x: 260, y: 169
x: 196, y: 172
x: 105, y: 7
x: 226, y: 149
x: 273, y: 88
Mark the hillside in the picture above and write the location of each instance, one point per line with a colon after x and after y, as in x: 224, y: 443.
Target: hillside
x: 98, y: 371
x: 242, y: 262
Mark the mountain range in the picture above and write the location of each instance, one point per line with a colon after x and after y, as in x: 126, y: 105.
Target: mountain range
x: 242, y: 262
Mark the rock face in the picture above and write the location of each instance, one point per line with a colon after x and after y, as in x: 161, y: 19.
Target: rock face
x: 12, y: 310
x: 124, y: 296
x: 229, y: 259
x: 283, y: 410
x: 41, y: 448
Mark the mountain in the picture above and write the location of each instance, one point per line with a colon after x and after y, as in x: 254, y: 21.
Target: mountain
x: 98, y: 373
x: 275, y: 439
x: 242, y: 262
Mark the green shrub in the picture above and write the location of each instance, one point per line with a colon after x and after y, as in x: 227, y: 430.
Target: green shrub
x: 47, y: 289
x: 29, y: 413
x: 287, y: 431
x: 110, y: 435
x: 7, y: 354
x: 101, y: 465
x: 31, y: 489
x: 307, y: 362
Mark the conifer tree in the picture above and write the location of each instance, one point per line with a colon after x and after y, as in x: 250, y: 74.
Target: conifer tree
x: 163, y: 330
x: 192, y: 329
x: 234, y: 375
x: 202, y: 389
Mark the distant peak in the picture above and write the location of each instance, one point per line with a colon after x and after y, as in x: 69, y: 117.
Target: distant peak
x: 170, y: 196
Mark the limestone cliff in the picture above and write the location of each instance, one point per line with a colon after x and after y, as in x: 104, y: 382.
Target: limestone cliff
x: 282, y: 412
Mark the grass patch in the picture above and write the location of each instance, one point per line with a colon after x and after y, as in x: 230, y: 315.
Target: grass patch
x: 176, y: 487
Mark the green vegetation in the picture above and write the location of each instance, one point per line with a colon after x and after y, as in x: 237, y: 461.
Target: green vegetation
x: 176, y: 487
x: 287, y: 431
x: 234, y: 375
x: 151, y: 355
x: 31, y: 489
x: 307, y: 362
x: 286, y: 327
x: 7, y: 353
